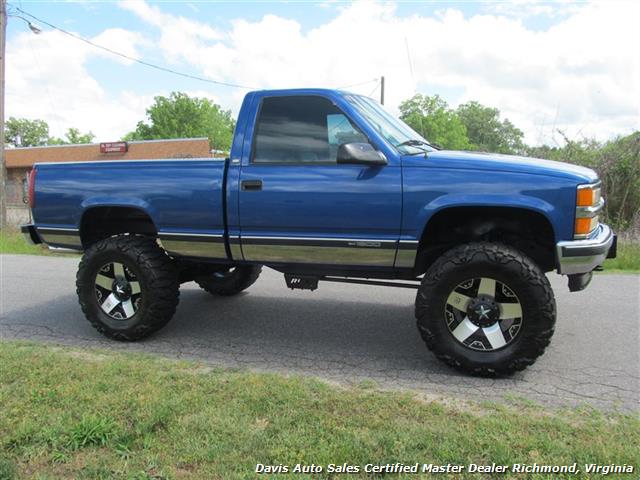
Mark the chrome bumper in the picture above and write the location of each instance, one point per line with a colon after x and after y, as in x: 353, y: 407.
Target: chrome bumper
x: 582, y: 256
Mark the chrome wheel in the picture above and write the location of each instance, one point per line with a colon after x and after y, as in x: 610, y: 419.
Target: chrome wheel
x: 483, y: 314
x: 225, y: 273
x: 117, y: 291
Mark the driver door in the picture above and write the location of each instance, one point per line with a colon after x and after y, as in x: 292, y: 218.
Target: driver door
x: 297, y: 205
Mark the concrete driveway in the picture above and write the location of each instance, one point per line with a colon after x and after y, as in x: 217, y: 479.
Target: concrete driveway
x: 348, y: 334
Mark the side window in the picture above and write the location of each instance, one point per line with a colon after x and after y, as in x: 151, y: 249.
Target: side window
x: 341, y: 130
x: 301, y: 129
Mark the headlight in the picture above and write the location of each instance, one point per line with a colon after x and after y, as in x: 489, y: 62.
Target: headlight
x: 589, y: 202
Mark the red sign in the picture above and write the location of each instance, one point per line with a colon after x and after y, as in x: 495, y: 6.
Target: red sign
x: 114, y: 147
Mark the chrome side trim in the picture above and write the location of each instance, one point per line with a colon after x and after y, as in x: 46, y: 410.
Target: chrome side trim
x: 582, y: 256
x: 407, y: 251
x: 327, y: 251
x: 375, y: 242
x: 180, y: 234
x: 62, y: 249
x: 60, y: 237
x: 375, y: 257
x: 193, y: 244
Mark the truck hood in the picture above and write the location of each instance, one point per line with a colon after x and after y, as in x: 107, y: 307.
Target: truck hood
x: 509, y: 163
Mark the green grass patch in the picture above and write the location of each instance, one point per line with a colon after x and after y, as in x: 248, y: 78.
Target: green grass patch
x: 69, y: 413
x: 627, y: 258
x: 12, y: 241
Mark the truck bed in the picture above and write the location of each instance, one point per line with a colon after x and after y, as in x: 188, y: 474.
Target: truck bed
x: 183, y: 198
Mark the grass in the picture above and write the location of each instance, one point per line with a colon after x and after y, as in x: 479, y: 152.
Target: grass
x: 628, y: 259
x: 12, y: 241
x: 69, y: 413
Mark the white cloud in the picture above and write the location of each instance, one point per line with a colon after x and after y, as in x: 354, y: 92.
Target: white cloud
x: 120, y: 40
x: 179, y: 36
x: 47, y: 79
x: 582, y: 74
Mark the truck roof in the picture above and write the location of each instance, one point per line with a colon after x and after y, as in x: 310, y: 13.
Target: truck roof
x: 303, y: 91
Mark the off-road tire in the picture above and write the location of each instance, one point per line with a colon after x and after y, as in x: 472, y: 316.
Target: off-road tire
x: 232, y: 283
x: 157, y: 277
x: 507, y: 265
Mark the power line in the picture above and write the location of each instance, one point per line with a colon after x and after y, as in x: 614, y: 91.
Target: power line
x: 152, y: 65
x: 374, y: 88
x: 357, y: 84
x: 133, y: 59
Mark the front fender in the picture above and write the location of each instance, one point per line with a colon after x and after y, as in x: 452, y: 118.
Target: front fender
x: 494, y: 200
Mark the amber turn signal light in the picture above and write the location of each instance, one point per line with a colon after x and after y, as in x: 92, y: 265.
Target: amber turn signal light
x: 585, y: 225
x: 586, y: 197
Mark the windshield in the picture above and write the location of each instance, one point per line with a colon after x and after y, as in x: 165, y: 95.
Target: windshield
x: 406, y: 140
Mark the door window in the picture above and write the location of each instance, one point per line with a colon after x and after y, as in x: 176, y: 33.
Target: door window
x: 301, y: 129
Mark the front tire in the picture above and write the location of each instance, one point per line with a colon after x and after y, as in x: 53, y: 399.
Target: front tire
x: 127, y: 287
x: 230, y: 281
x: 486, y: 309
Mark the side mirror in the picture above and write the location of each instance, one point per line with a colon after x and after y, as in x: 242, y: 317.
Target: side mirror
x: 360, y: 154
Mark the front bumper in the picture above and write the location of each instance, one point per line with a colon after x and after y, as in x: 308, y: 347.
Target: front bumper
x: 583, y: 256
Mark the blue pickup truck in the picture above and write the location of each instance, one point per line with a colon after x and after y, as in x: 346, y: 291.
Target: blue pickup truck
x: 324, y: 185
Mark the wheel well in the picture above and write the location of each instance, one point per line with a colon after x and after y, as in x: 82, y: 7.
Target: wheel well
x: 527, y: 230
x: 103, y: 222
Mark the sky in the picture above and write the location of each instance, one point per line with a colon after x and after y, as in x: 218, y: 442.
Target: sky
x: 547, y: 66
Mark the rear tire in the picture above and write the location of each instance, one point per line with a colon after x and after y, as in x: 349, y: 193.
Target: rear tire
x: 127, y: 287
x: 486, y: 309
x: 231, y: 281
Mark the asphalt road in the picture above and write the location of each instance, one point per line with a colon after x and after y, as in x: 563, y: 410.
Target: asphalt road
x: 348, y: 334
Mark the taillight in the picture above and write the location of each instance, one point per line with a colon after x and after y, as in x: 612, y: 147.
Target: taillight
x: 32, y: 188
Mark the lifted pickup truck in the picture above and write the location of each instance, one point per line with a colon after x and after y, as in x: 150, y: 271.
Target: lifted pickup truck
x: 324, y: 185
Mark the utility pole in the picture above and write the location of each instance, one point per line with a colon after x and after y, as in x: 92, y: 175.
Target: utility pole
x: 382, y: 90
x: 3, y: 166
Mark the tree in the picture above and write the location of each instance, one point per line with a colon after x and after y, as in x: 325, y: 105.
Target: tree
x: 432, y: 118
x: 487, y: 132
x: 617, y: 162
x: 73, y: 136
x: 22, y: 132
x: 181, y: 116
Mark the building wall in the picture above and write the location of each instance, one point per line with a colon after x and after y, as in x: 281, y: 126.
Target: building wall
x: 19, y: 162
x: 18, y: 215
x: 15, y: 188
x: 178, y: 148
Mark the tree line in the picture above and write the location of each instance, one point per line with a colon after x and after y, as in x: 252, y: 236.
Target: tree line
x: 22, y: 132
x: 470, y: 126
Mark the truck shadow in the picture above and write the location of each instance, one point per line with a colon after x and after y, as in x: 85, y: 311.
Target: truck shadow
x: 301, y: 332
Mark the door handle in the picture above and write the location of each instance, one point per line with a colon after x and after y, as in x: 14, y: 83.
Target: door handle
x: 247, y: 185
